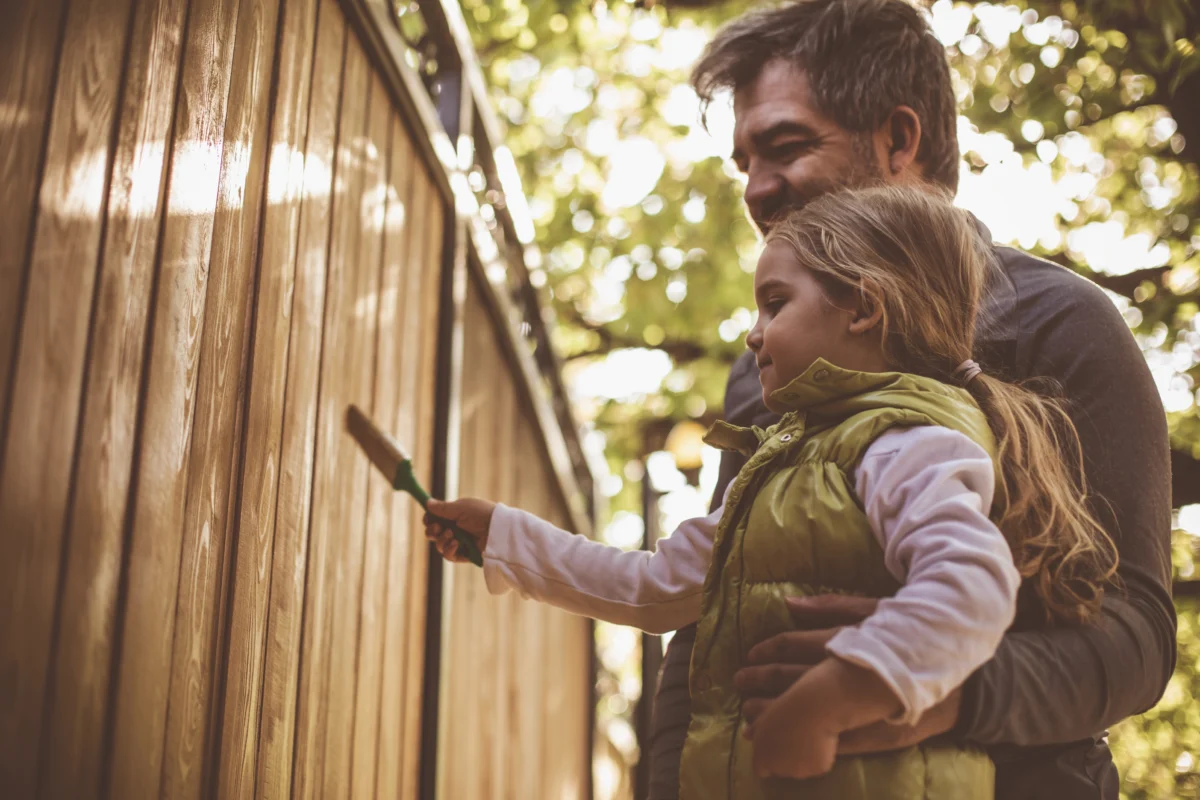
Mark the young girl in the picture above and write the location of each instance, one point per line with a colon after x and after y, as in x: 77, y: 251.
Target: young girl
x: 899, y: 470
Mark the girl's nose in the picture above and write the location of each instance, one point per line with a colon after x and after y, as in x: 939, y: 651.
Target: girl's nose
x: 754, y: 338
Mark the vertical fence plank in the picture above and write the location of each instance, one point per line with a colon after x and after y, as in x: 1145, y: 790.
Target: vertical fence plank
x: 404, y: 227
x: 334, y: 464
x: 490, y: 364
x: 78, y: 708
x: 362, y: 281
x: 504, y: 423
x: 530, y: 732
x: 360, y: 251
x: 285, y: 186
x: 213, y: 467
x: 172, y: 370
x: 388, y: 218
x: 36, y: 463
x: 29, y: 59
x: 291, y: 571
x: 463, y: 613
x: 429, y: 266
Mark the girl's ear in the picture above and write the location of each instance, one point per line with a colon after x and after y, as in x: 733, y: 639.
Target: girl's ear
x: 867, y: 315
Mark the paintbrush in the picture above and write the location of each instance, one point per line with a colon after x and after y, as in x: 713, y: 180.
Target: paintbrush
x: 390, y: 459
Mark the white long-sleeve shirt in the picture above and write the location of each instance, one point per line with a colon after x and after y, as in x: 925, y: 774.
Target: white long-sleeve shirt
x: 927, y: 492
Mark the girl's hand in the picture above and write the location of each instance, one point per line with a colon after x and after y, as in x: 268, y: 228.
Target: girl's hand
x: 796, y: 736
x: 791, y: 745
x: 470, y: 514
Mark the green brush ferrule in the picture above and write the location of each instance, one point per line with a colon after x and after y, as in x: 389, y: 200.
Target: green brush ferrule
x: 405, y: 480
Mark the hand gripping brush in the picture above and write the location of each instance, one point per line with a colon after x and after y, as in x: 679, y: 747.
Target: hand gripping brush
x: 390, y: 459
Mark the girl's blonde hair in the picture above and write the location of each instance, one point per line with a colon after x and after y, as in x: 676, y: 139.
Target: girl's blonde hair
x: 924, y: 263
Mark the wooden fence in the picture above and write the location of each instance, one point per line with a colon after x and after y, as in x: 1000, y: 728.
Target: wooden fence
x: 222, y: 221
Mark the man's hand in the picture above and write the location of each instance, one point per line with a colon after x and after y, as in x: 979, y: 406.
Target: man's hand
x: 775, y: 664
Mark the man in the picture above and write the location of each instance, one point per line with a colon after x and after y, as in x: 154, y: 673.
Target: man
x: 833, y: 93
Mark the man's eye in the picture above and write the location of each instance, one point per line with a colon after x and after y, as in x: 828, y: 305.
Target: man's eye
x: 791, y: 149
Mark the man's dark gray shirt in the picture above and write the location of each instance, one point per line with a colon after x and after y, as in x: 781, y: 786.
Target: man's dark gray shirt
x: 1042, y: 704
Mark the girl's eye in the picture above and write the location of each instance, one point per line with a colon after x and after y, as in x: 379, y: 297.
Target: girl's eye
x: 773, y: 304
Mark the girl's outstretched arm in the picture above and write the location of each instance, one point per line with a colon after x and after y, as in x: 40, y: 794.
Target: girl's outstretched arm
x: 655, y: 591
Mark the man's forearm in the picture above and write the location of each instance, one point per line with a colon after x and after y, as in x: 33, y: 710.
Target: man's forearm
x: 1066, y: 684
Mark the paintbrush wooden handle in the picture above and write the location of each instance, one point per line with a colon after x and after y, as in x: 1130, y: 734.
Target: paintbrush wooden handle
x: 389, y: 458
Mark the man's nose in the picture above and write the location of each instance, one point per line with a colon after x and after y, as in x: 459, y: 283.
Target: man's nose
x: 765, y: 193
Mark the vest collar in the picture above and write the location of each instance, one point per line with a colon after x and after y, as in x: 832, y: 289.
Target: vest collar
x: 824, y: 383
x: 825, y: 391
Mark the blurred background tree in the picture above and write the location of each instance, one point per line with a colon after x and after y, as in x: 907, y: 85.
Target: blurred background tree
x: 1080, y: 131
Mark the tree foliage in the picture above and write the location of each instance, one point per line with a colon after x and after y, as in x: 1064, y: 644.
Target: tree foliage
x: 646, y: 247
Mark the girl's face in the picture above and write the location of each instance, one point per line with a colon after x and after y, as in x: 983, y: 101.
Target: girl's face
x: 798, y: 323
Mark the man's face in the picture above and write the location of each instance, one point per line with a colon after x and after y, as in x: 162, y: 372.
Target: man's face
x: 789, y: 151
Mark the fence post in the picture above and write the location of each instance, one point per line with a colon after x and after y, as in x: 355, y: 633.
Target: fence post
x: 446, y: 440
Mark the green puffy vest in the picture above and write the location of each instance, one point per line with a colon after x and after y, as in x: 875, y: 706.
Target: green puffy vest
x: 793, y: 526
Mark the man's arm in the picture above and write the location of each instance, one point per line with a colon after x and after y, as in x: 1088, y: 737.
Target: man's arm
x: 1065, y: 684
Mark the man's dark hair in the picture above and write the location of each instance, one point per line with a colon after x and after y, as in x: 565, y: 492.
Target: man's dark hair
x: 862, y: 59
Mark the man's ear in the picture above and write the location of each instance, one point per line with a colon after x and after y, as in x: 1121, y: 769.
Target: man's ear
x: 897, y: 141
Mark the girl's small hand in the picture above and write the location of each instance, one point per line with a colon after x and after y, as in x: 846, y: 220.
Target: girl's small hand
x: 796, y: 735
x: 788, y: 745
x: 470, y: 514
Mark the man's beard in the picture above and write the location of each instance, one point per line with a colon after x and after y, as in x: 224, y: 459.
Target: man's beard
x: 864, y: 171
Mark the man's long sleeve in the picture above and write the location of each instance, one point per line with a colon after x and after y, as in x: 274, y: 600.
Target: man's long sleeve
x: 1065, y: 684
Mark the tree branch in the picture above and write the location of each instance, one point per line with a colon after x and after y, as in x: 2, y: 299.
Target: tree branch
x: 681, y: 351
x: 1123, y: 285
x: 1126, y: 284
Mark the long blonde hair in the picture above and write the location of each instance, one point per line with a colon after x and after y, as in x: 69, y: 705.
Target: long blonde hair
x: 910, y: 253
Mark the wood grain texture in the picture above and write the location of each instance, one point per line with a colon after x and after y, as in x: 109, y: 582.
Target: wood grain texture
x: 505, y: 422
x: 172, y: 372
x: 251, y: 587
x: 291, y: 570
x: 207, y: 591
x: 334, y: 466
x: 37, y: 461
x: 428, y: 262
x: 360, y: 252
x: 460, y: 752
x: 29, y: 60
x: 403, y: 334
x: 77, y: 709
x: 529, y: 728
x: 389, y: 214
x: 354, y: 631
x: 520, y: 729
x: 486, y: 611
x: 213, y: 468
